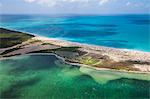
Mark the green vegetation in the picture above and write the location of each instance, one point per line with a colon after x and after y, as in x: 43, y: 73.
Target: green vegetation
x: 11, y: 55
x: 9, y: 38
x: 117, y: 65
x: 88, y: 60
x: 47, y: 44
x: 138, y: 62
x: 43, y: 51
x: 35, y: 41
x: 10, y: 50
x: 70, y: 49
x: 103, y: 63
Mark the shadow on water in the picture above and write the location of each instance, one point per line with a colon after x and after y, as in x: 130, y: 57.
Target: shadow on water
x: 129, y: 88
x: 14, y: 91
x: 89, y: 33
x: 108, y: 43
x: 139, y: 20
x: 115, y: 43
x: 73, y: 29
x: 67, y: 82
x: 86, y: 88
x: 123, y: 88
x: 79, y: 25
x: 82, y: 24
x: 29, y: 64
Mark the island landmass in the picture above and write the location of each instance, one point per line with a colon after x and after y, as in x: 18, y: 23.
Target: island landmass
x: 13, y: 43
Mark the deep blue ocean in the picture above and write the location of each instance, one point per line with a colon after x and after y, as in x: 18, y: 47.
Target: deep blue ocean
x: 119, y: 31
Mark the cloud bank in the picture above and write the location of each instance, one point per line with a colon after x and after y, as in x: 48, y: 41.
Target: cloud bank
x: 52, y: 3
x: 75, y: 6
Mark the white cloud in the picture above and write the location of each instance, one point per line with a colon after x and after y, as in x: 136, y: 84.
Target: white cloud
x: 1, y: 4
x: 51, y: 3
x: 135, y: 4
x: 30, y: 1
x: 101, y: 2
x: 128, y: 3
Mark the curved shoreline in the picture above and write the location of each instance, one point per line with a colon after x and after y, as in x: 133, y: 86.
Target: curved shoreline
x: 139, y: 60
x: 120, y: 54
x: 76, y: 64
x: 37, y: 35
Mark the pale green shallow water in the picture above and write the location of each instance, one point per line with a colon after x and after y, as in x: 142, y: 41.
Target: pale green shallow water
x: 46, y: 77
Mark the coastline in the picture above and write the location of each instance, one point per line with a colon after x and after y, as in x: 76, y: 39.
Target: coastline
x: 80, y: 65
x: 78, y: 43
x: 115, y: 54
x: 95, y: 47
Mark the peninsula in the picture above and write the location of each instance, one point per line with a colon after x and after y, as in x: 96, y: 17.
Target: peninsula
x: 98, y: 57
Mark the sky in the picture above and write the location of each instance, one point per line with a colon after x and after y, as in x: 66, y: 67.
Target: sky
x: 74, y: 6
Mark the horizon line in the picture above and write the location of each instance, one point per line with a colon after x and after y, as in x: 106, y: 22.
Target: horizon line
x: 73, y: 14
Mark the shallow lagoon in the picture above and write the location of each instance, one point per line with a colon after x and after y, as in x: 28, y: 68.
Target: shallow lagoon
x: 46, y: 76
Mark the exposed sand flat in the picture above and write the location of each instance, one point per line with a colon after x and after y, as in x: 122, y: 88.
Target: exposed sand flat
x: 117, y: 55
x: 143, y: 68
x: 114, y: 53
x: 33, y: 48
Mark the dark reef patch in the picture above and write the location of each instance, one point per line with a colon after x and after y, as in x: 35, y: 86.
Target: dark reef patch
x: 27, y: 64
x: 139, y: 20
x: 67, y: 79
x: 14, y: 91
x: 133, y: 91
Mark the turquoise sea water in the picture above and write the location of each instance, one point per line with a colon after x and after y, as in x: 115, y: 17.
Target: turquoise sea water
x: 47, y: 77
x: 119, y: 31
